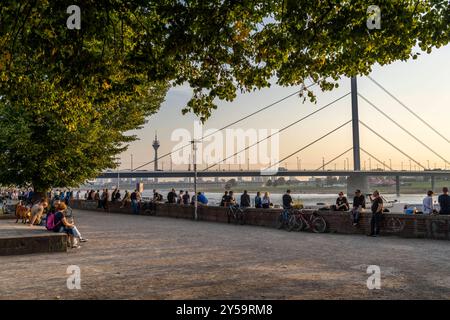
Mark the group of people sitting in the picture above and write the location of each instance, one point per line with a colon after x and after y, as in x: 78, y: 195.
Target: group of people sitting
x: 245, y: 202
x: 183, y: 197
x: 56, y: 219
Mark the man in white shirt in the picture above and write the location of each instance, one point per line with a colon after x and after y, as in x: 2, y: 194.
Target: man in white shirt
x: 428, y: 203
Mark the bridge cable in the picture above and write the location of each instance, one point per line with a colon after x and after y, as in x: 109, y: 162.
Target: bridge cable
x: 310, y: 144
x: 334, y: 159
x: 381, y: 162
x: 392, y: 145
x: 279, y: 131
x: 229, y: 125
x: 409, y: 109
x: 405, y: 130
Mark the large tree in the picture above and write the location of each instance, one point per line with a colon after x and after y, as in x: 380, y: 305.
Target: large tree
x: 67, y: 97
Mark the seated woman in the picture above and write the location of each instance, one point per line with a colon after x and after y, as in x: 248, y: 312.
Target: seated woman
x: 63, y: 225
x: 266, y: 201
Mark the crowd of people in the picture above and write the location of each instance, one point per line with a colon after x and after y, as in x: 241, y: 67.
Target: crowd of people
x: 60, y: 199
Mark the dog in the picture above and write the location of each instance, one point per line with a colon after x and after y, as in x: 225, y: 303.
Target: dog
x: 23, y: 212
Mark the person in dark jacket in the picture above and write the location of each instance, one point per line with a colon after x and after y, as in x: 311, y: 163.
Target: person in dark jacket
x: 245, y: 200
x: 359, y: 204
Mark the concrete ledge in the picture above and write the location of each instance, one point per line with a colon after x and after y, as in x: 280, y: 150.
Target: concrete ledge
x: 403, y: 225
x: 18, y: 239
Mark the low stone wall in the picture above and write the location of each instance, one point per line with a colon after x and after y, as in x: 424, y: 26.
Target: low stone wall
x: 409, y: 226
x: 33, y: 244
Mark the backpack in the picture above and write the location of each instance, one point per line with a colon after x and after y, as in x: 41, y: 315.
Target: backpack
x: 50, y: 222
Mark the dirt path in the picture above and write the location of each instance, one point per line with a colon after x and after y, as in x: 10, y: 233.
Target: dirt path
x: 140, y: 257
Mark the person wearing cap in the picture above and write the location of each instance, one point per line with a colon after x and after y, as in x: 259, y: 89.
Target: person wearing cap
x: 359, y: 204
x: 428, y: 203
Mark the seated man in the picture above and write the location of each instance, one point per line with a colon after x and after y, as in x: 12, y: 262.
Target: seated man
x: 341, y: 203
x: 359, y: 204
x: 444, y: 201
x: 37, y: 210
x: 245, y: 200
x: 201, y: 199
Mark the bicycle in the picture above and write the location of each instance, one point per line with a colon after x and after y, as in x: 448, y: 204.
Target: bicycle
x: 284, y: 218
x: 237, y: 213
x: 302, y: 221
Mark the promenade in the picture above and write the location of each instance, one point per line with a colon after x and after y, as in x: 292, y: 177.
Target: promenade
x: 142, y: 257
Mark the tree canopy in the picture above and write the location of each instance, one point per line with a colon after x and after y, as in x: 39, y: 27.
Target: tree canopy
x: 68, y: 97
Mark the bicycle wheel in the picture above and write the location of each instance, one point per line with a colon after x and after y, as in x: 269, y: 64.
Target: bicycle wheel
x: 293, y: 223
x: 280, y: 222
x: 319, y: 225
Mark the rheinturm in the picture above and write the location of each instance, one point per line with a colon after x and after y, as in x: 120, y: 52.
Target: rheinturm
x: 155, y: 147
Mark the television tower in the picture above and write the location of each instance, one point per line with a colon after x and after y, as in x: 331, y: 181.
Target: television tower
x: 155, y: 147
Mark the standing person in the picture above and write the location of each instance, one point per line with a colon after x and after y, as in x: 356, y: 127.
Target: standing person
x: 258, y: 200
x: 359, y: 204
x: 377, y: 213
x: 68, y: 197
x: 126, y: 199
x: 266, y: 200
x: 37, y: 211
x: 245, y: 200
x: 444, y: 201
x: 104, y: 199
x: 186, y: 198
x: 287, y: 200
x: 428, y: 203
x: 134, y: 202
x: 77, y: 196
x: 97, y: 198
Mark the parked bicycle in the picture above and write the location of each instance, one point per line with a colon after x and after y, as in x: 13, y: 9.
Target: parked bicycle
x: 284, y: 218
x: 300, y: 220
x: 236, y: 213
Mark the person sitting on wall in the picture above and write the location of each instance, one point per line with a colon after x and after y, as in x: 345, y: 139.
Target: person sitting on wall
x: 186, y: 198
x: 258, y: 200
x: 444, y: 201
x: 172, y: 196
x: 266, y: 201
x: 245, y: 200
x: 224, y: 197
x: 126, y: 199
x: 359, y: 204
x: 341, y: 203
x: 201, y: 199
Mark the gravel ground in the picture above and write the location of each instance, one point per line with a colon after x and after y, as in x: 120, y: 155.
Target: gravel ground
x: 141, y: 257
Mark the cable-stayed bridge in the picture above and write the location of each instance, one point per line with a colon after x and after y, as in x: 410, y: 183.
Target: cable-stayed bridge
x: 357, y: 178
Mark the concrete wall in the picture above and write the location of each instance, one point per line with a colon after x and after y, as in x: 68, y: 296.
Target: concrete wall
x: 33, y: 244
x: 409, y: 226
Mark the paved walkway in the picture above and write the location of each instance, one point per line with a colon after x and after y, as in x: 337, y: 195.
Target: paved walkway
x: 141, y: 257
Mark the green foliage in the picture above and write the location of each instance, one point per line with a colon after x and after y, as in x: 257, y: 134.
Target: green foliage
x: 69, y: 96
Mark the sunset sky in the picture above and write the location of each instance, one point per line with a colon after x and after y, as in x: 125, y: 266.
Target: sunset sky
x: 422, y: 84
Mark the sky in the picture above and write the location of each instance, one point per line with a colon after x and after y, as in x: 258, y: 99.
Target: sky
x: 423, y: 85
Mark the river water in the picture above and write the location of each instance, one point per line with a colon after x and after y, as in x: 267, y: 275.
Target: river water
x: 306, y: 198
